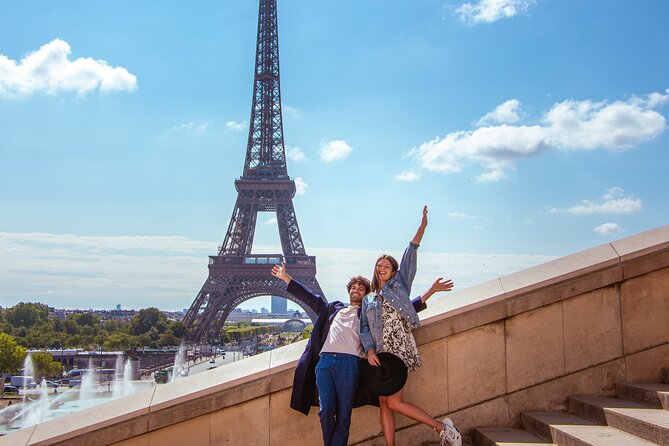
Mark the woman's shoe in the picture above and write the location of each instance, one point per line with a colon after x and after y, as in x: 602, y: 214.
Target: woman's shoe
x: 449, y: 435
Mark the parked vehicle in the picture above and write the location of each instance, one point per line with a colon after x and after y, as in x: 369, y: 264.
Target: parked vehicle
x: 11, y: 389
x: 100, y: 374
x: 23, y: 382
x: 161, y: 376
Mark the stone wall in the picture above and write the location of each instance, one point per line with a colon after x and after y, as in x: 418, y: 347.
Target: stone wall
x: 522, y: 342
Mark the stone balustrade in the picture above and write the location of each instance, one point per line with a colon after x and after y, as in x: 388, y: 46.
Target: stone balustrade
x: 523, y: 342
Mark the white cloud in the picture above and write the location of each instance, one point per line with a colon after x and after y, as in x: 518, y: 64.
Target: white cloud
x: 408, y: 176
x: 334, y: 150
x: 505, y: 113
x: 614, y: 203
x: 236, y: 126
x: 461, y: 215
x: 656, y: 99
x: 491, y: 177
x: 608, y: 229
x: 569, y: 125
x: 49, y: 70
x: 490, y: 11
x: 192, y: 126
x: 613, y: 192
x: 291, y: 111
x: 295, y: 154
x: 271, y: 221
x: 579, y: 125
x: 70, y: 271
x: 301, y: 186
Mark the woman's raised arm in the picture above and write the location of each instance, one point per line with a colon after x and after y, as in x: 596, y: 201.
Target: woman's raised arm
x: 421, y: 229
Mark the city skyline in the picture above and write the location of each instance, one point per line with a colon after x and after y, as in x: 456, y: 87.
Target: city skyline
x: 532, y: 130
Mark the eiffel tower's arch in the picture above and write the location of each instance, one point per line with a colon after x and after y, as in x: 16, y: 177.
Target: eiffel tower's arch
x: 228, y: 285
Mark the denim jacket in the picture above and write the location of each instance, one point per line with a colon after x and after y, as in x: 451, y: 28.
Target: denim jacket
x: 396, y: 291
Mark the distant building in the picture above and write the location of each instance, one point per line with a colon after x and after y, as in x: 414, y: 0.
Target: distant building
x: 239, y: 316
x: 279, y: 305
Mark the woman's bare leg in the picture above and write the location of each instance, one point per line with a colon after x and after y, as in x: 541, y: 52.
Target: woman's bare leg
x: 396, y: 403
x: 387, y: 421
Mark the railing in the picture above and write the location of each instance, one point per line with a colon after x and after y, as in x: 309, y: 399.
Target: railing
x: 261, y: 259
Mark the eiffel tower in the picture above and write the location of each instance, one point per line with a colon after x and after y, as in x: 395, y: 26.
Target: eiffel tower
x: 236, y: 275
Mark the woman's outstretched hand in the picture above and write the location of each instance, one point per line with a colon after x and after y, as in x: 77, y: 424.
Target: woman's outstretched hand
x: 442, y: 285
x: 279, y: 271
x: 439, y: 285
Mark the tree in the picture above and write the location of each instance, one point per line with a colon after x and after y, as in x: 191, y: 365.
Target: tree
x: 11, y: 354
x: 26, y: 314
x: 88, y: 319
x: 45, y: 366
x: 120, y: 341
x: 167, y: 339
x: 178, y: 329
x: 147, y: 318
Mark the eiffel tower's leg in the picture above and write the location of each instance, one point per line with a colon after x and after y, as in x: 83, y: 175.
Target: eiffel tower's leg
x: 239, y: 238
x: 289, y: 231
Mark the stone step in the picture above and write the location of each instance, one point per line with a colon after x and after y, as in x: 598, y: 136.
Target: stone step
x: 506, y: 436
x: 664, y: 399
x: 596, y: 436
x: 638, y: 419
x: 647, y: 393
x: 539, y: 423
x: 571, y: 430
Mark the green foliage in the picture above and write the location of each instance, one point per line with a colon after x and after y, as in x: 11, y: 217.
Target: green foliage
x: 11, y: 354
x: 31, y: 328
x: 167, y: 339
x: 242, y: 332
x: 178, y: 329
x: 306, y: 334
x: 45, y: 366
x: 119, y: 342
x: 26, y: 314
x: 148, y: 318
x: 88, y: 319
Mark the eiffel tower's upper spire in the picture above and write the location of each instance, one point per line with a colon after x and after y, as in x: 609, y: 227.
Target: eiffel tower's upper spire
x: 265, y: 153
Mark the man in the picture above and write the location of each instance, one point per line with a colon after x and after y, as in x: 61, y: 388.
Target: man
x: 331, y: 360
x: 327, y: 372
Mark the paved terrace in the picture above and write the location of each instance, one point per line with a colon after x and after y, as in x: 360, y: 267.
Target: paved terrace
x: 523, y: 342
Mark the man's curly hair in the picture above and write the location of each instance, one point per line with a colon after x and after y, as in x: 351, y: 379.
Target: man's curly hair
x: 360, y: 281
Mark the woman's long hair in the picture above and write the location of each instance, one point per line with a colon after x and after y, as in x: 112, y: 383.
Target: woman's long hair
x: 393, y: 264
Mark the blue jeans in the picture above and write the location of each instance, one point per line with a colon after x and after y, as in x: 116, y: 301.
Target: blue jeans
x: 337, y: 380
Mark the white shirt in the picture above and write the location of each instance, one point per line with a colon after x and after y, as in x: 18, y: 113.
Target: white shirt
x: 344, y: 334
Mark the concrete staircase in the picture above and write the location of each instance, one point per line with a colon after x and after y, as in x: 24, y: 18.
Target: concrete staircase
x: 639, y: 415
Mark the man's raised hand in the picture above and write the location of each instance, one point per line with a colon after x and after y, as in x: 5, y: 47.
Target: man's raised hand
x: 279, y: 271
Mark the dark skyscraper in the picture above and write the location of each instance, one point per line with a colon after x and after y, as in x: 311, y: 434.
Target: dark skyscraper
x: 279, y: 305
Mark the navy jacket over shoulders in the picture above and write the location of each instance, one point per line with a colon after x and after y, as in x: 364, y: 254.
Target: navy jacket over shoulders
x: 305, y: 393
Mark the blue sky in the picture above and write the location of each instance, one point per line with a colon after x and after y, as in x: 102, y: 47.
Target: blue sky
x: 532, y: 129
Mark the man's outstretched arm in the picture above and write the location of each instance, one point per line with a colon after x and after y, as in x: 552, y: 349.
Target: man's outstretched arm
x: 314, y: 301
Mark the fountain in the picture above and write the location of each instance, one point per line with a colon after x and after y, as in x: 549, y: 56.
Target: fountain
x: 28, y: 371
x: 40, y: 405
x: 180, y: 367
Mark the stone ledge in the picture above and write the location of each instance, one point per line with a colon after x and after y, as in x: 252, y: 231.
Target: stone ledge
x: 269, y: 375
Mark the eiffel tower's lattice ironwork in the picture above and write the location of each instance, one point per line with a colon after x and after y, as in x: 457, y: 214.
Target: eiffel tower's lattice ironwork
x: 236, y: 275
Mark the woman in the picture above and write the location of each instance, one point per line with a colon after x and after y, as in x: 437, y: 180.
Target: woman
x: 386, y: 322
